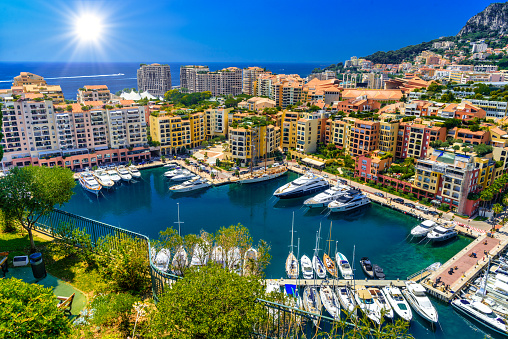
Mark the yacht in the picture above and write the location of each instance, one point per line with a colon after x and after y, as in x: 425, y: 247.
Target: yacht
x: 381, y: 300
x: 133, y: 170
x: 162, y: 260
x: 324, y: 198
x: 425, y: 227
x: 191, y: 185
x: 441, y: 233
x: 123, y: 173
x: 378, y: 272
x: 200, y: 254
x: 250, y: 262
x: 319, y: 267
x: 218, y: 255
x: 415, y: 295
x: 103, y: 178
x: 263, y: 175
x: 350, y: 200
x: 304, y: 185
x: 311, y: 302
x: 184, y: 176
x: 88, y: 182
x: 346, y: 299
x: 399, y: 304
x: 171, y: 165
x: 307, y: 270
x: 180, y: 260
x: 365, y: 301
x: 174, y: 172
x: 367, y: 267
x: 481, y: 313
x: 344, y: 267
x: 234, y: 260
x: 114, y: 175
x: 330, y: 301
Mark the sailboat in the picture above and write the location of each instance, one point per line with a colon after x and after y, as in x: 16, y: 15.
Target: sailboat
x: 292, y: 269
x: 180, y: 259
x: 311, y: 302
x: 317, y: 264
x: 328, y: 261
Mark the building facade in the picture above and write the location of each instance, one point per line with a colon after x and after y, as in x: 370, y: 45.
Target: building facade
x: 154, y: 79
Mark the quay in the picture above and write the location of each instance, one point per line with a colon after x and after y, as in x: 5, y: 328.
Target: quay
x: 336, y: 282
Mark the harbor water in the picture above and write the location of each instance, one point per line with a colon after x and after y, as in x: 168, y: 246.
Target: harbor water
x: 146, y: 206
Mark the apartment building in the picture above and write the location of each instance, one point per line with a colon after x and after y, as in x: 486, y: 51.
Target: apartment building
x: 325, y: 75
x: 361, y: 104
x: 27, y: 78
x: 493, y: 109
x: 339, y: 134
x: 94, y: 93
x: 388, y: 133
x: 289, y: 124
x: 307, y: 135
x: 257, y: 104
x: 413, y: 139
x: 317, y: 90
x: 252, y: 143
x: 363, y: 136
x: 469, y: 137
x: 463, y: 111
x: 227, y: 81
x: 51, y: 92
x: 188, y: 77
x: 154, y: 79
x: 284, y: 89
x: 216, y: 121
x: 370, y: 165
x: 249, y: 77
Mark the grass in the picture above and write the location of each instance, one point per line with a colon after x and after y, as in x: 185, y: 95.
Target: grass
x: 478, y: 218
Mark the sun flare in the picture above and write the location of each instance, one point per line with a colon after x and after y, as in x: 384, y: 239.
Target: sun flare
x: 88, y: 27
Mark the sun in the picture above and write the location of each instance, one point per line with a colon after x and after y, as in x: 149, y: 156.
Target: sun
x: 88, y: 27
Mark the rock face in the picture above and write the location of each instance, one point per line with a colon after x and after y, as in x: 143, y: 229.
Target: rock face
x: 494, y: 18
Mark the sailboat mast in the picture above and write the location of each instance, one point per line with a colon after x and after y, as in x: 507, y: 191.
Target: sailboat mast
x: 292, y: 226
x: 330, y: 239
x: 354, y: 280
x: 178, y: 222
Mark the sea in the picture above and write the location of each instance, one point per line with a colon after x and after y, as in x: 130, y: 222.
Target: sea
x: 147, y: 207
x: 120, y: 75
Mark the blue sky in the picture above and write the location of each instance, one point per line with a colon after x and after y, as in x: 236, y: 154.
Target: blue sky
x: 241, y: 31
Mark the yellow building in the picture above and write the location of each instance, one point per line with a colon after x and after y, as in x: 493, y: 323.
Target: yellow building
x: 27, y: 78
x: 486, y: 171
x: 52, y: 92
x: 307, y: 135
x: 248, y: 141
x: 289, y: 122
x: 216, y: 121
x: 388, y: 136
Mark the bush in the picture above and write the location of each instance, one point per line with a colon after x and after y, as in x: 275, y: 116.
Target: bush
x: 113, y: 310
x: 75, y: 241
x: 30, y: 311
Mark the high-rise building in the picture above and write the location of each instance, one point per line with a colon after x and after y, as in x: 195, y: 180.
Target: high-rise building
x: 154, y: 79
x: 94, y: 93
x: 27, y: 78
x: 250, y: 76
x: 188, y: 81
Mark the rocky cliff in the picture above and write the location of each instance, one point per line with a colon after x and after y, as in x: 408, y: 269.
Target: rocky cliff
x: 494, y: 18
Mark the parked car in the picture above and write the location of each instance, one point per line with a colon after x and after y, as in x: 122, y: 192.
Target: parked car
x: 325, y: 175
x: 433, y: 213
x: 379, y: 194
x: 422, y: 208
x: 411, y: 205
x: 398, y: 200
x: 342, y: 181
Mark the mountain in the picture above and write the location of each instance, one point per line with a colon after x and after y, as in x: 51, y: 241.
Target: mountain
x: 493, y: 19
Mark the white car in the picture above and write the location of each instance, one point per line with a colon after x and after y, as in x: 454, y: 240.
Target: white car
x: 325, y: 175
x: 422, y: 208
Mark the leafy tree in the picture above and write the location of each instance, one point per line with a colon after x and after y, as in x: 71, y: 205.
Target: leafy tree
x: 452, y: 123
x: 30, y: 192
x: 482, y: 149
x: 497, y: 209
x: 30, y: 311
x: 456, y: 148
x: 209, y: 303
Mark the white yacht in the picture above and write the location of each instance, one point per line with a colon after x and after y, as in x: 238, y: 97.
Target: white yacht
x: 173, y: 172
x: 250, y: 262
x: 180, y: 260
x: 123, y: 173
x: 133, y: 170
x: 349, y: 201
x: 191, y: 185
x: 218, y: 256
x: 381, y: 300
x: 421, y: 230
x: 200, y: 254
x: 482, y: 313
x: 307, y: 270
x: 171, y: 165
x: 346, y: 299
x: 234, y: 260
x: 399, y: 304
x: 103, y: 178
x: 441, y: 233
x: 324, y: 198
x: 304, y: 185
x: 114, y: 175
x: 311, y: 301
x: 365, y: 301
x: 88, y: 182
x: 263, y: 175
x: 330, y: 301
x: 161, y: 260
x: 344, y: 267
x: 186, y: 175
x: 415, y: 295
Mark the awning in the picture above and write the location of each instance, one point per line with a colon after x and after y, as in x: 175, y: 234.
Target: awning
x: 313, y: 162
x: 435, y: 202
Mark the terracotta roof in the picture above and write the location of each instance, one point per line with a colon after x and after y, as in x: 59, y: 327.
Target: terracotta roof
x: 90, y: 87
x: 391, y: 94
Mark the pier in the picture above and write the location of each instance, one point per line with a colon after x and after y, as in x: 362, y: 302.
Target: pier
x: 336, y: 282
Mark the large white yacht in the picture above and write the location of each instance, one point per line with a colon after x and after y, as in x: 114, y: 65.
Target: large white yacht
x: 123, y: 173
x: 324, y: 198
x: 263, y: 175
x: 103, y: 178
x: 304, y: 185
x: 441, y: 233
x: 173, y: 172
x: 113, y: 174
x: 191, y: 185
x: 88, y: 182
x: 421, y: 230
x: 415, y: 295
x: 349, y: 201
x: 482, y: 313
x: 344, y: 267
x: 186, y: 175
x: 399, y: 304
x: 133, y: 170
x: 365, y: 301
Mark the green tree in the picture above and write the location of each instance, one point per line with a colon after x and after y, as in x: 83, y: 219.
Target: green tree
x: 30, y: 311
x: 209, y: 303
x: 497, y: 209
x: 482, y: 149
x: 30, y: 192
x: 408, y: 162
x: 456, y: 148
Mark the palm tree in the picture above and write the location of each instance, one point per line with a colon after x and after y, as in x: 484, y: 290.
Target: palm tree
x: 505, y: 200
x: 408, y: 162
x: 497, y: 209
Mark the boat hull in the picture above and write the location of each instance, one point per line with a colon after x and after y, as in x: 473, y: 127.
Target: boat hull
x: 345, y: 208
x: 299, y: 193
x: 471, y: 316
x: 261, y: 178
x: 188, y: 189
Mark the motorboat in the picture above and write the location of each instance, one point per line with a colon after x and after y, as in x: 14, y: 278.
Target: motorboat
x: 307, y: 270
x: 234, y: 260
x: 367, y: 267
x: 184, y: 176
x: 162, y: 260
x: 180, y: 260
x: 311, y: 302
x: 346, y: 299
x: 292, y: 269
x: 263, y: 175
x: 344, y: 267
x: 88, y: 182
x: 133, y: 170
x: 123, y: 173
x: 330, y: 265
x: 324, y: 198
x: 481, y: 313
x: 378, y: 272
x: 330, y: 301
x: 304, y: 185
x: 200, y: 254
x: 218, y: 256
x: 380, y: 299
x: 114, y: 175
x: 175, y: 172
x: 441, y: 233
x: 349, y: 201
x: 250, y: 262
x: 398, y: 303
x: 171, y: 165
x: 421, y: 230
x: 103, y: 179
x: 191, y: 185
x: 416, y: 297
x: 365, y: 301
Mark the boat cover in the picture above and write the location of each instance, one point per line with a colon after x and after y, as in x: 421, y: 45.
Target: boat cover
x: 290, y: 289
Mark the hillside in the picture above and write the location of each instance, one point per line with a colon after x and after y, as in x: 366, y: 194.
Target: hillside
x: 493, y: 19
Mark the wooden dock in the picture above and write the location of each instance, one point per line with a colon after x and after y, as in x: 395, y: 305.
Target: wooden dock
x: 336, y: 282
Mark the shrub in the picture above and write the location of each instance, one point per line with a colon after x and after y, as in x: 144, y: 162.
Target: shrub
x: 113, y: 310
x: 30, y: 311
x: 411, y: 195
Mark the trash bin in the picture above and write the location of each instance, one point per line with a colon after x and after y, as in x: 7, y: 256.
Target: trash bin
x: 38, y: 267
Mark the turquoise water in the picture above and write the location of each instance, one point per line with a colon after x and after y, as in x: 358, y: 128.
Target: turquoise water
x: 378, y: 232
